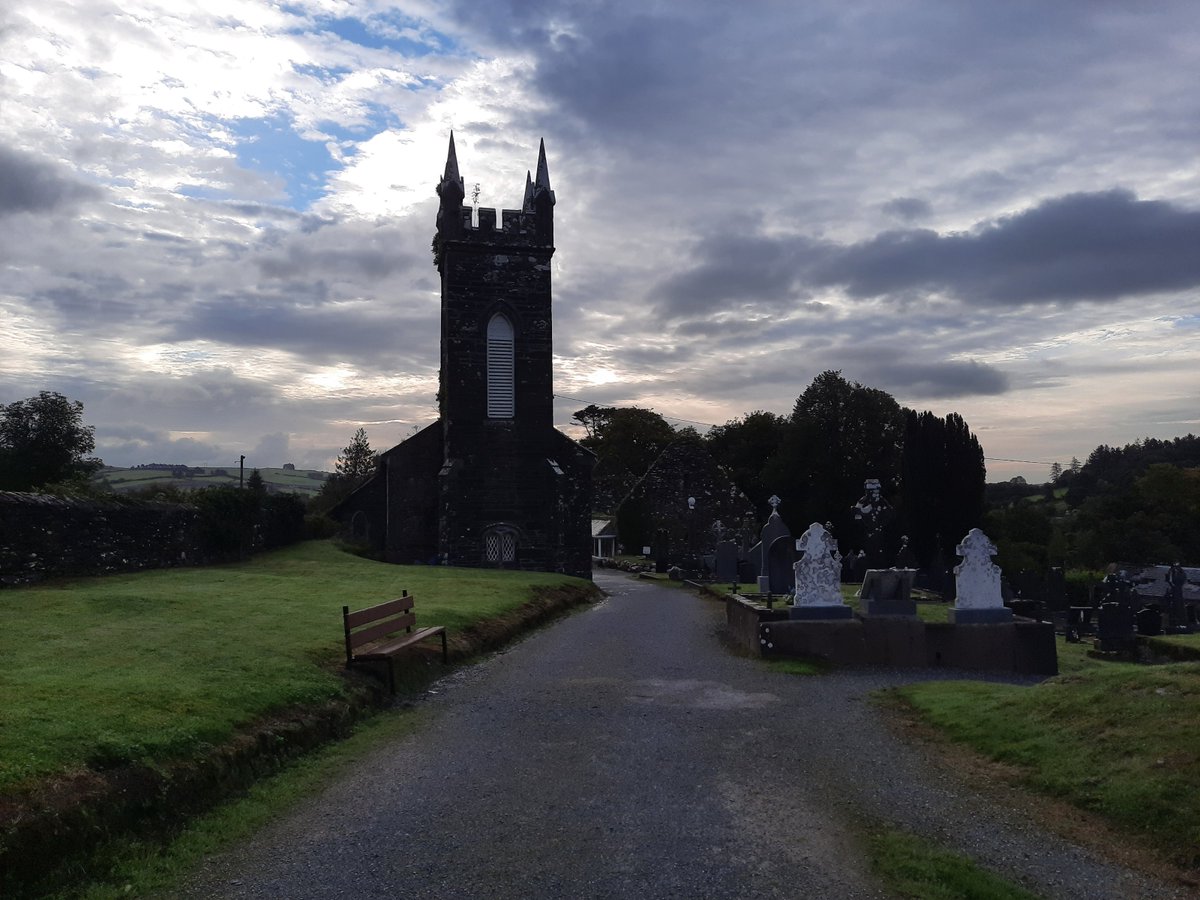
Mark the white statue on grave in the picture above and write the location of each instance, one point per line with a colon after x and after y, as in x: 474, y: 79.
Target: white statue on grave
x: 977, y: 577
x: 818, y: 571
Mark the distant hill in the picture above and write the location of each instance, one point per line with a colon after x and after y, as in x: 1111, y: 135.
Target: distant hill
x: 306, y: 482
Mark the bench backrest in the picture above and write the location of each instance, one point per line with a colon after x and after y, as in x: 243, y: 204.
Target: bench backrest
x: 364, y: 626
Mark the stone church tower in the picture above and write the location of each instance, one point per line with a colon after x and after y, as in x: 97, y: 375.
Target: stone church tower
x: 492, y: 482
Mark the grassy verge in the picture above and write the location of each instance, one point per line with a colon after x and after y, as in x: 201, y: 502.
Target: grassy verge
x: 910, y: 866
x: 137, y: 868
x: 156, y: 665
x: 1115, y: 739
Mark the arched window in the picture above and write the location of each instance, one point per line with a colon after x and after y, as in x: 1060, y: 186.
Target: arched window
x: 499, y: 368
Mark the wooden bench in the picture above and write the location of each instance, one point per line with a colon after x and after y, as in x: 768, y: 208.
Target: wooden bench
x: 378, y: 633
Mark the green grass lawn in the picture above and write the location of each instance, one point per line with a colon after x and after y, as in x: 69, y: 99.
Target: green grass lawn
x: 156, y: 664
x: 1118, y: 739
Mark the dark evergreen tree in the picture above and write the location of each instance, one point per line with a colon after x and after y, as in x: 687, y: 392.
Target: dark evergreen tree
x: 943, y: 482
x: 357, y: 460
x: 839, y: 435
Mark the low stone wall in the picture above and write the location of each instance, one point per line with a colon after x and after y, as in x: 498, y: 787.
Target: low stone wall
x: 1022, y: 647
x: 43, y: 536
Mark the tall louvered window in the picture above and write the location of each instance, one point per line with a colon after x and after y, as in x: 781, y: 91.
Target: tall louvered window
x: 499, y: 368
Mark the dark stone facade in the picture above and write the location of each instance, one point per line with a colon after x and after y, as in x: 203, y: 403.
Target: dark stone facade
x: 492, y: 482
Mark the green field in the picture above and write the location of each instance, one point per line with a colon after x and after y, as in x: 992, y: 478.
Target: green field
x: 1121, y: 740
x: 301, y: 481
x: 156, y: 665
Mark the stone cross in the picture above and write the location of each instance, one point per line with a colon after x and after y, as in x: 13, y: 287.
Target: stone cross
x: 774, y: 501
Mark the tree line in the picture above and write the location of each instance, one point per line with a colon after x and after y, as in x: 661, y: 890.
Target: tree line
x: 816, y: 460
x: 1137, y: 504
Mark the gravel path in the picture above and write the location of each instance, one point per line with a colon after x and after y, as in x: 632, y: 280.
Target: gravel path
x: 623, y: 752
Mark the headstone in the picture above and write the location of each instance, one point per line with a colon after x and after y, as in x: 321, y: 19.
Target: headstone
x: 818, y: 576
x: 1115, y: 628
x: 726, y: 564
x: 888, y: 592
x: 1176, y: 579
x: 780, y: 560
x: 777, y: 553
x: 977, y: 580
x: 1149, y: 620
x: 747, y: 573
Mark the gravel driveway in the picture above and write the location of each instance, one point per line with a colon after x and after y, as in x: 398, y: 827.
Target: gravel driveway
x: 623, y: 752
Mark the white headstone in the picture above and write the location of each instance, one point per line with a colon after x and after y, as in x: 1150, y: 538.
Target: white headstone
x: 977, y: 577
x: 818, y: 571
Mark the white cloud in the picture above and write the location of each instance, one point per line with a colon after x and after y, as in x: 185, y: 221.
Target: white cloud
x: 221, y: 236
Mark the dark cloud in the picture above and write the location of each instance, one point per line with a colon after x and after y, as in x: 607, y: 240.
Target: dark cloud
x: 364, y: 334
x: 736, y: 269
x: 940, y: 380
x: 30, y: 184
x: 908, y: 209
x: 1100, y: 247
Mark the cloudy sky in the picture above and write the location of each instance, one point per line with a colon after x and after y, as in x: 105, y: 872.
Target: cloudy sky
x: 215, y: 217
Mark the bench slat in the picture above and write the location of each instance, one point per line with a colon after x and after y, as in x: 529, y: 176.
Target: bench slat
x: 386, y: 650
x: 371, y: 613
x: 382, y: 629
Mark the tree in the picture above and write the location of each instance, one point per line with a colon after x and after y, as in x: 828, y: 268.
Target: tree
x: 1056, y: 471
x: 255, y: 484
x: 43, y: 441
x: 943, y: 481
x: 839, y: 435
x: 744, y: 447
x: 357, y: 460
x: 355, y: 464
x: 626, y: 441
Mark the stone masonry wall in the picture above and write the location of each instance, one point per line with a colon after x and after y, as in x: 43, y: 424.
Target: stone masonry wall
x: 43, y: 537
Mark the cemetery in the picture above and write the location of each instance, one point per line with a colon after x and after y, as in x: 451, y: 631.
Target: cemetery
x: 197, y: 680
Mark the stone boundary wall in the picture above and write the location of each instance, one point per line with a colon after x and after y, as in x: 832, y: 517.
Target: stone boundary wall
x: 43, y: 536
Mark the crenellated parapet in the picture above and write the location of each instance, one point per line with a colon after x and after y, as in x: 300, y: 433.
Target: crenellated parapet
x: 514, y: 226
x: 531, y: 226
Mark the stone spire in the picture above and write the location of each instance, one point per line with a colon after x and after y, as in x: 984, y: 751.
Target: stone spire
x: 450, y: 190
x: 542, y: 182
x: 451, y: 175
x: 527, y: 202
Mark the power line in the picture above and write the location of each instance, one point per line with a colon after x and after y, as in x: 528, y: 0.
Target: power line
x: 1032, y: 462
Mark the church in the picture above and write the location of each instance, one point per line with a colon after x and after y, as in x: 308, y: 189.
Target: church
x: 492, y: 483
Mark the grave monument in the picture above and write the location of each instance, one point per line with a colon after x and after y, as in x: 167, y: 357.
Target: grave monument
x: 978, y: 599
x: 818, y: 577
